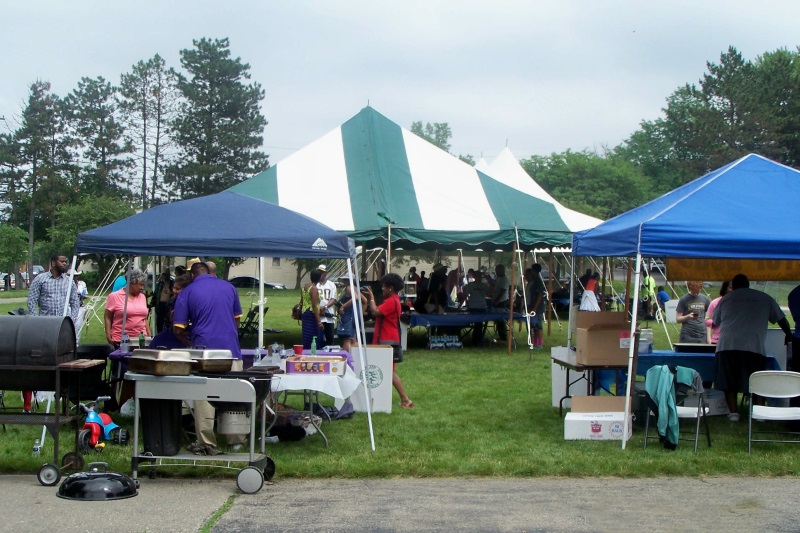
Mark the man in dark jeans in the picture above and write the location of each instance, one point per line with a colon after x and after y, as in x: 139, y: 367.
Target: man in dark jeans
x: 500, y: 300
x: 476, y: 293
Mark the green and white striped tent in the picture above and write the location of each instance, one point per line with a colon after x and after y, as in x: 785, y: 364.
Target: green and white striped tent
x: 507, y: 169
x: 384, y: 186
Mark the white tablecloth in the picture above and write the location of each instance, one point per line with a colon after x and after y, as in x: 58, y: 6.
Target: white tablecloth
x: 336, y: 386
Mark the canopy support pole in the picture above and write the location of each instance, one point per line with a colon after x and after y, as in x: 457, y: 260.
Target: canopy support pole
x: 519, y: 255
x: 571, y: 299
x: 355, y: 291
x: 628, y: 286
x: 69, y: 289
x: 389, y: 248
x: 549, y: 293
x: 631, y: 352
x: 260, y: 304
x: 512, y: 289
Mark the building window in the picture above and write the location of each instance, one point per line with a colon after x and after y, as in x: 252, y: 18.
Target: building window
x: 276, y: 261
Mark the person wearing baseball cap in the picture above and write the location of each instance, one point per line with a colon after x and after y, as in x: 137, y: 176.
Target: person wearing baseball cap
x: 80, y: 285
x: 327, y: 304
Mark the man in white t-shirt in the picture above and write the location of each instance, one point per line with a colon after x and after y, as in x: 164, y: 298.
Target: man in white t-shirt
x: 327, y: 304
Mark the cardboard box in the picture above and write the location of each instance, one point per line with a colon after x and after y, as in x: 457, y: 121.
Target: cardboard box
x: 597, y: 418
x: 587, y: 319
x: 596, y: 404
x: 602, y: 345
x: 311, y: 364
x: 715, y: 401
x: 600, y: 338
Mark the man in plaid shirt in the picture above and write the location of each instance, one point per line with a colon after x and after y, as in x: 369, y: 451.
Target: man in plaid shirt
x: 49, y: 289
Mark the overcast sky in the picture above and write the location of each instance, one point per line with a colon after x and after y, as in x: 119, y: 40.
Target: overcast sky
x: 541, y: 76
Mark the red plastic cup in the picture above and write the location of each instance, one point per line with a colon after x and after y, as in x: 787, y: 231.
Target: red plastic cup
x: 298, y: 349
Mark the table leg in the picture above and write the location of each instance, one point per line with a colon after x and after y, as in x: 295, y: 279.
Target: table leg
x: 566, y: 394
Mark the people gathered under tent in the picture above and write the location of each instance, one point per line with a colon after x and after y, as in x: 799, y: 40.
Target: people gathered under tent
x: 476, y: 294
x: 500, y: 300
x: 435, y: 300
x: 312, y: 326
x: 536, y: 298
x: 711, y: 329
x: 387, y: 327
x: 662, y: 297
x: 691, y: 313
x: 207, y: 313
x: 743, y: 316
x: 589, y: 298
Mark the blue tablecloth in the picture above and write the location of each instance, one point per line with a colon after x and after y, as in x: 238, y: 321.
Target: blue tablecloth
x: 461, y: 319
x: 702, y: 362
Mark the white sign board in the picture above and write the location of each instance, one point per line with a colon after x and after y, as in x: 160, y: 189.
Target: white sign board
x: 379, y: 379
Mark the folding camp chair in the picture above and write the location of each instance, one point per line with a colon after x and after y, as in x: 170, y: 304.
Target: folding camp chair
x: 780, y: 385
x: 680, y: 393
x: 249, y: 326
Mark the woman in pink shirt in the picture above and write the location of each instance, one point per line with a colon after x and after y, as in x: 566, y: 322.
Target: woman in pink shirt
x: 136, y: 313
x: 713, y: 332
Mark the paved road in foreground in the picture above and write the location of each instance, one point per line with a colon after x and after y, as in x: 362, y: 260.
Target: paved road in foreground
x: 479, y: 505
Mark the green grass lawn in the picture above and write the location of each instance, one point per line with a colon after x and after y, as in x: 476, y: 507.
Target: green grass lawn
x: 479, y: 412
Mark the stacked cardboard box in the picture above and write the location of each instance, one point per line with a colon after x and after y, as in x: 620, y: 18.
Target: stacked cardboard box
x: 597, y: 418
x: 601, y: 338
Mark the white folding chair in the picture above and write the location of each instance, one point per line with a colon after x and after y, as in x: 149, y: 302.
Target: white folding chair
x: 780, y: 385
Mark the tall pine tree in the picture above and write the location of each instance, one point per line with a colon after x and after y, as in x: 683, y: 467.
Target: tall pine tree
x: 219, y: 126
x: 148, y: 103
x: 93, y: 110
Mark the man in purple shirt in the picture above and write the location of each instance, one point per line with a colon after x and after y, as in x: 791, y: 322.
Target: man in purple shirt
x: 207, y: 313
x: 212, y: 307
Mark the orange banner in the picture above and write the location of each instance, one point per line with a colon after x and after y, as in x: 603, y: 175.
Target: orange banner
x: 684, y: 269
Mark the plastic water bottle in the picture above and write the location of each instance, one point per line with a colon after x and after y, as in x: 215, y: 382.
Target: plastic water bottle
x: 37, y: 448
x: 125, y: 343
x: 314, y: 346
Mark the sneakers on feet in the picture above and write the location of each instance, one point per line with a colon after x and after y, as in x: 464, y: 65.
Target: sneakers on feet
x: 236, y: 447
x: 733, y: 417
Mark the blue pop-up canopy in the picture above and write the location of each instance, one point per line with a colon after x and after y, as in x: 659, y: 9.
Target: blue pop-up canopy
x: 746, y: 209
x: 225, y: 224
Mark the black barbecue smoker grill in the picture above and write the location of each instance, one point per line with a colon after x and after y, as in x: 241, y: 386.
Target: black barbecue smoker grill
x: 37, y: 353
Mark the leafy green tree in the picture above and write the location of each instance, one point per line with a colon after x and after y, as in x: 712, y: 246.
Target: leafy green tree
x: 148, y: 101
x: 738, y: 107
x: 590, y: 183
x: 650, y: 150
x: 36, y: 155
x: 87, y: 213
x: 303, y: 267
x: 438, y: 133
x: 92, y: 108
x: 219, y: 126
x: 13, y: 247
x: 777, y: 76
x: 11, y: 178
